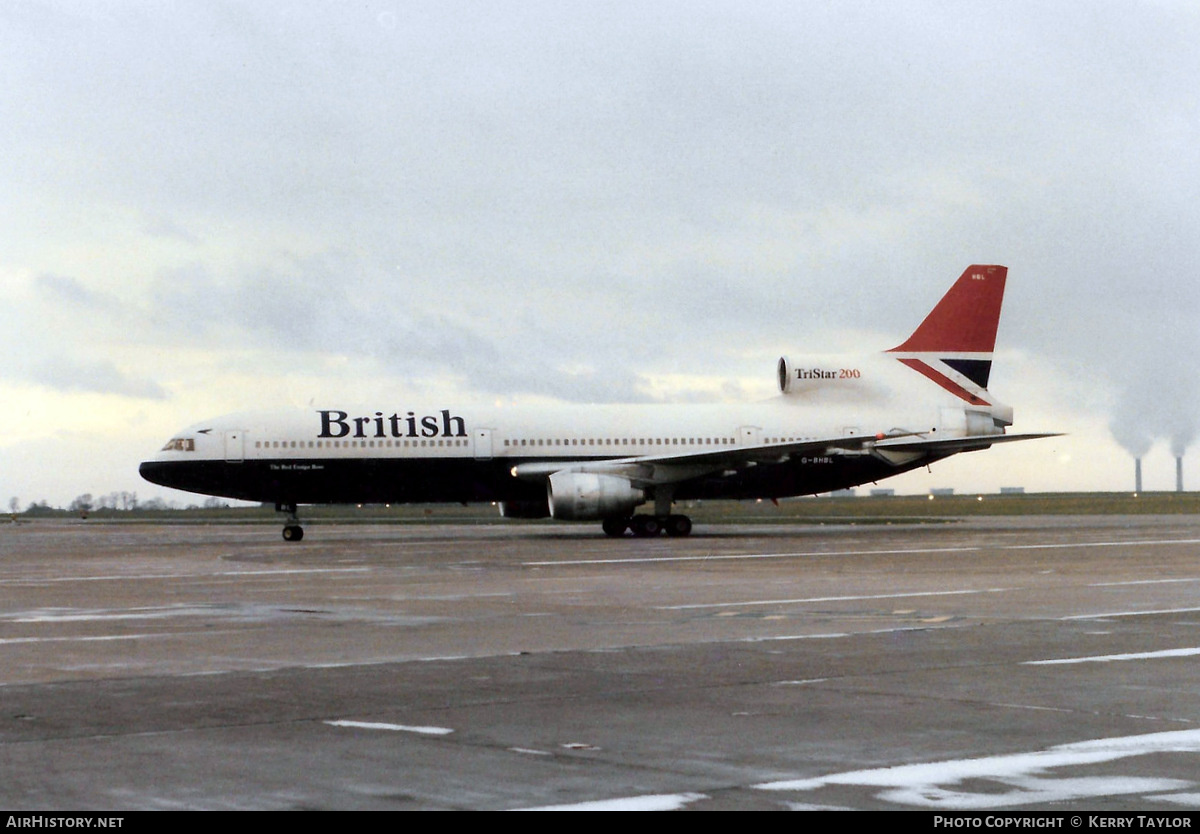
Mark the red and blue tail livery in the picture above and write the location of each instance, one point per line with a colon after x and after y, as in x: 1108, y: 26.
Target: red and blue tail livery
x: 953, y: 345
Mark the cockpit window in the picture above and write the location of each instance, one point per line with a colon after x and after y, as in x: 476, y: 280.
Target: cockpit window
x: 180, y: 444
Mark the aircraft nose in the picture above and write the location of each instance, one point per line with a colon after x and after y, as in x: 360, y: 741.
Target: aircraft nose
x: 154, y: 471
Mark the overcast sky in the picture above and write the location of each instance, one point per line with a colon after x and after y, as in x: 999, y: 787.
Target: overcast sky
x: 211, y: 206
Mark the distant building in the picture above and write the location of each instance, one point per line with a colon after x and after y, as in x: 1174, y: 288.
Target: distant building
x: 942, y: 491
x: 1012, y: 490
x: 842, y: 493
x: 882, y: 493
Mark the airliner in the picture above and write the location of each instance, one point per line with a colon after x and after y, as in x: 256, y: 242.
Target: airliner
x: 837, y: 422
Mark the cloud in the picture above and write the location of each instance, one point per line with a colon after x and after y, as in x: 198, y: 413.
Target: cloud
x: 94, y: 376
x: 332, y: 305
x: 581, y: 202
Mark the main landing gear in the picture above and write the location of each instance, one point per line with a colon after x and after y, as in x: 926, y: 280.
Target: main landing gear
x: 648, y: 526
x: 292, y: 531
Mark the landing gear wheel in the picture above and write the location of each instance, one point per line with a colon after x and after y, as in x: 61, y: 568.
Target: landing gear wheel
x: 645, y: 526
x: 292, y: 531
x: 615, y: 527
x: 678, y: 525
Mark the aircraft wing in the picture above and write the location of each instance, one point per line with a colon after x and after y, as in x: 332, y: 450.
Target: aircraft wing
x: 648, y: 470
x: 651, y: 470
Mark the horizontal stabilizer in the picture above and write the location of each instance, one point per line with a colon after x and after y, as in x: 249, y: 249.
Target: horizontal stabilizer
x: 957, y: 444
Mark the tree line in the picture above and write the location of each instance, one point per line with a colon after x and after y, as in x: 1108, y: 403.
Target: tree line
x: 112, y: 502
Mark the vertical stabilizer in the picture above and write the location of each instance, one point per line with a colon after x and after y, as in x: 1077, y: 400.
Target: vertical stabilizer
x: 966, y: 318
x: 953, y: 345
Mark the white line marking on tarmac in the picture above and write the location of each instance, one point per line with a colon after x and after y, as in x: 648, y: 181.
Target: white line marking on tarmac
x: 1020, y: 777
x: 831, y: 599
x: 1189, y: 799
x: 1033, y: 707
x: 1130, y: 613
x: 9, y: 641
x: 736, y: 556
x: 829, y: 635
x: 799, y: 683
x: 1141, y: 582
x: 396, y: 728
x: 1109, y: 658
x: 1061, y: 546
x: 289, y: 570
x: 657, y: 802
x: 349, y: 664
x: 118, y: 577
x: 142, y: 614
x: 894, y: 552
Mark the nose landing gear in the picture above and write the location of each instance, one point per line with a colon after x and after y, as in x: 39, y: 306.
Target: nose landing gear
x: 292, y: 531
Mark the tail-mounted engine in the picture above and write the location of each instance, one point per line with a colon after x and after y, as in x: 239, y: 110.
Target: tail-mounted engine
x: 974, y: 422
x: 823, y: 372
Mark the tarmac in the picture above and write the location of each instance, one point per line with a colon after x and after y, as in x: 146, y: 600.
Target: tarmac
x: 1035, y: 663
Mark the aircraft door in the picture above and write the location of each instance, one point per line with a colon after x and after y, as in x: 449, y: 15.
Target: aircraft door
x: 235, y: 446
x: 749, y: 435
x: 483, y: 443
